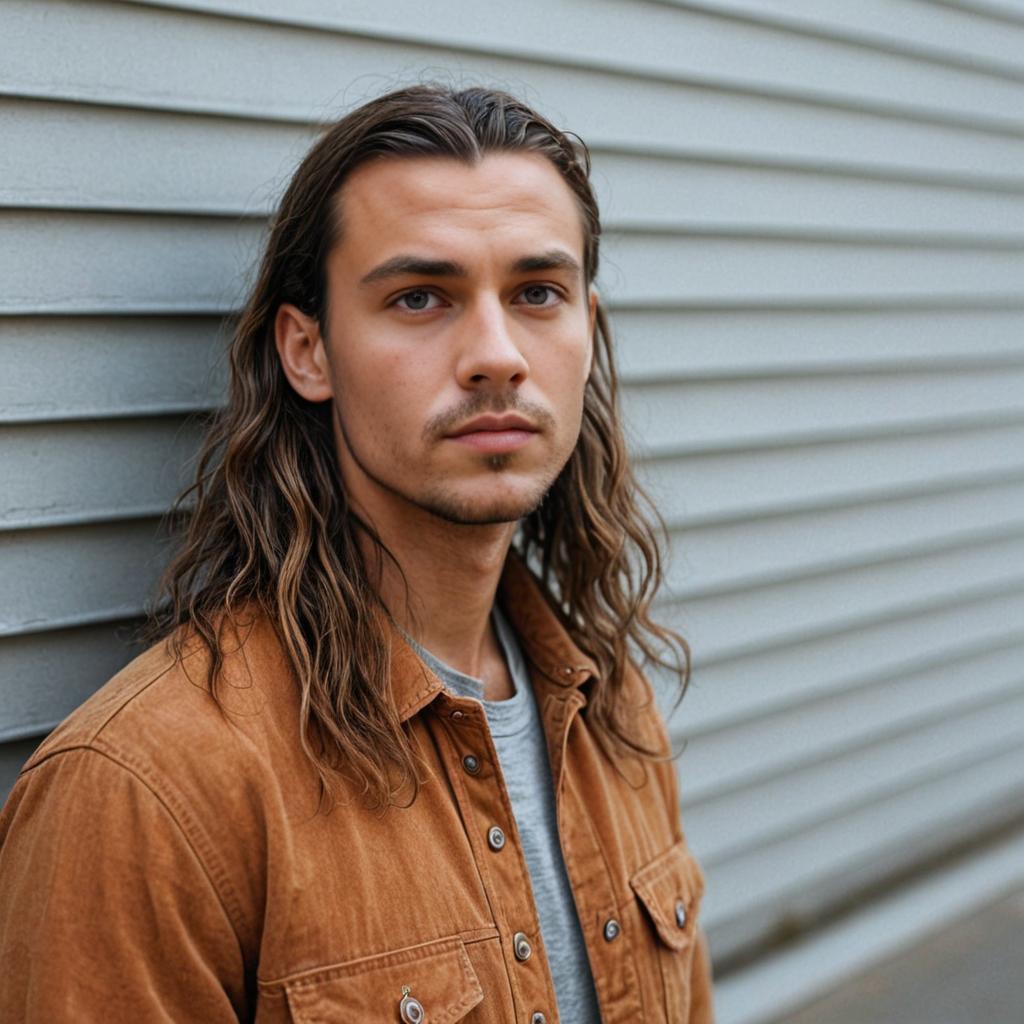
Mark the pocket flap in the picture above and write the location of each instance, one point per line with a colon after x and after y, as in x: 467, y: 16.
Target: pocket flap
x: 437, y: 974
x: 670, y: 887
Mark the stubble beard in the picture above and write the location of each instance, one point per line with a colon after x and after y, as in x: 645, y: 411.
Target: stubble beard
x: 442, y: 503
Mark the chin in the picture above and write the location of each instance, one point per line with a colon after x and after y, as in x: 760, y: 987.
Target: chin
x: 484, y: 509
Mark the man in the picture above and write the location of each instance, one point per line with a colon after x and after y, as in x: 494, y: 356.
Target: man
x: 392, y: 759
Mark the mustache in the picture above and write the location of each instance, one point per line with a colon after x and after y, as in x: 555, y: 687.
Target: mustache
x: 444, y: 423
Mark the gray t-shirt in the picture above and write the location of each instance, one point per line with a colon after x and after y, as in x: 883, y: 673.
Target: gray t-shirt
x: 518, y: 735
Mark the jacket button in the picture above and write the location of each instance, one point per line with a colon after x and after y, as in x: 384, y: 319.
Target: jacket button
x: 495, y: 837
x: 538, y: 1018
x: 680, y: 913
x: 521, y: 945
x: 457, y: 714
x: 611, y: 929
x: 471, y: 764
x: 410, y: 1009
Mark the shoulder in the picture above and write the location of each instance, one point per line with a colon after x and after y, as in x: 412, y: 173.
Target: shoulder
x: 159, y: 719
x: 152, y: 768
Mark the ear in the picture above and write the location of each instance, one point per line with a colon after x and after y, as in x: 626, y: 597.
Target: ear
x: 302, y: 353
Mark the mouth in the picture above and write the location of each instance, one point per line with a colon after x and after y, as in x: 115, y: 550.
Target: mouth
x: 495, y: 434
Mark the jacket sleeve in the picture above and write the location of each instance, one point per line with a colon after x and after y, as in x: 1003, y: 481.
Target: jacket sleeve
x: 106, y: 911
x: 702, y: 1009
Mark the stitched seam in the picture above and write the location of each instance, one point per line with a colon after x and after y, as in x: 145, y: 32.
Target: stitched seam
x: 644, y: 886
x: 460, y: 795
x: 433, y: 949
x: 472, y: 996
x: 198, y: 842
x: 600, y: 985
x: 163, y: 802
x: 411, y: 702
x: 137, y: 693
x: 476, y: 935
x: 37, y: 759
x: 655, y: 872
x: 458, y: 783
x: 383, y: 962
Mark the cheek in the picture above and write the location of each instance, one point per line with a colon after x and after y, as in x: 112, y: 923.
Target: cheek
x: 572, y: 372
x: 383, y: 397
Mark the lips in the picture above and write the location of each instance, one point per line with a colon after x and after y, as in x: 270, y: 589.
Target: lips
x: 495, y: 435
x: 495, y: 424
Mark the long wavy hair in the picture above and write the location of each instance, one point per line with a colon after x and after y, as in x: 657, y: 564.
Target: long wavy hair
x: 266, y: 523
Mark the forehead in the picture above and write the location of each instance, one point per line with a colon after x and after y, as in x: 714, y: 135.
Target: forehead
x: 392, y: 202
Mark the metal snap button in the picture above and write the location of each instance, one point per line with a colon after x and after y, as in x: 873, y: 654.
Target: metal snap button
x: 538, y: 1018
x: 457, y: 714
x: 410, y: 1009
x: 521, y: 945
x: 495, y: 837
x: 471, y: 764
x: 611, y: 929
x: 680, y: 913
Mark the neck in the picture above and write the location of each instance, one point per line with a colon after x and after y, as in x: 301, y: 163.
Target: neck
x: 452, y: 572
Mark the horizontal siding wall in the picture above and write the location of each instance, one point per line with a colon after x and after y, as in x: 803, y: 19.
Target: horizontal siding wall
x: 814, y: 260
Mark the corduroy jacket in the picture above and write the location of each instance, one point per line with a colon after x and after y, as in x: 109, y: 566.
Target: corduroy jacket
x: 162, y: 861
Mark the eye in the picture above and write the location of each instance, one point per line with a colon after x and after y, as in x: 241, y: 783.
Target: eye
x: 537, y: 294
x: 416, y: 301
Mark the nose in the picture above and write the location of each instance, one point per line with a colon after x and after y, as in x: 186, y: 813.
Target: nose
x: 488, y: 353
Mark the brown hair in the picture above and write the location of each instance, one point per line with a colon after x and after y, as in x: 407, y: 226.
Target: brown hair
x: 270, y: 525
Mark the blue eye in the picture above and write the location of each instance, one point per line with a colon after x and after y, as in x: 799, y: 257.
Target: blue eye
x: 416, y: 300
x: 538, y: 292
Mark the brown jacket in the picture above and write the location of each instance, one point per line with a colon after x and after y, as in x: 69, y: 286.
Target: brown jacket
x: 159, y: 862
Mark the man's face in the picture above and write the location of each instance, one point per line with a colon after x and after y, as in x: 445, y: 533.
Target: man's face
x: 459, y: 337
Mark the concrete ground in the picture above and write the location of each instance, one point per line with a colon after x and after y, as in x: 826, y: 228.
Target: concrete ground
x: 972, y: 972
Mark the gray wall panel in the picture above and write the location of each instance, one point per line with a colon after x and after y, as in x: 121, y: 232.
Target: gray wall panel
x: 109, y: 367
x: 757, y: 747
x: 59, y: 51
x: 694, y: 342
x: 744, y: 683
x: 100, y: 263
x: 693, y: 190
x: 777, y: 407
x: 741, y: 265
x: 43, y: 682
x: 61, y: 473
x: 777, y: 883
x: 931, y: 31
x: 747, y: 613
x: 782, y: 803
x: 708, y: 481
x: 684, y: 44
x: 161, y: 160
x: 718, y: 554
x: 76, y: 575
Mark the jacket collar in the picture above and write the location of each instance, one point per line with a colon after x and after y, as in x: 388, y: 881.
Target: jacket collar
x: 549, y: 650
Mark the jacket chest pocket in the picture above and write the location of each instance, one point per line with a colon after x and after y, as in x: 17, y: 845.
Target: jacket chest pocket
x: 669, y: 889
x: 432, y: 983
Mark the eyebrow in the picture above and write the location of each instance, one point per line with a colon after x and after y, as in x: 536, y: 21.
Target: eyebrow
x: 419, y: 266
